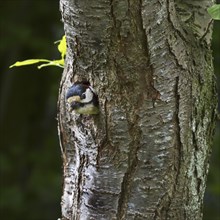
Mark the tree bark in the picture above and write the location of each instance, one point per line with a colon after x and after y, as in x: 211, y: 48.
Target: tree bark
x: 145, y: 156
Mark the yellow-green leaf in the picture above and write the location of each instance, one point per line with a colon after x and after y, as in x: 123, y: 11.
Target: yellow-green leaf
x: 59, y: 63
x: 62, y: 46
x: 28, y: 62
x: 214, y: 11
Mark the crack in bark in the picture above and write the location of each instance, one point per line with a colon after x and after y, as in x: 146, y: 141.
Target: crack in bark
x: 104, y: 141
x: 207, y: 30
x: 127, y: 181
x: 177, y: 125
x: 79, y: 182
x: 112, y: 12
x: 176, y: 28
x: 163, y: 207
x: 60, y: 102
x: 135, y: 132
x: 175, y: 56
x: 153, y: 93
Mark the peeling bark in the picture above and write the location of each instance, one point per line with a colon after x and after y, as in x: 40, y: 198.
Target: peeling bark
x: 145, y: 156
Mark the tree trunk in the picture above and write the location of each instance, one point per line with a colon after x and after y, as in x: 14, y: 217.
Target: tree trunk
x: 145, y: 156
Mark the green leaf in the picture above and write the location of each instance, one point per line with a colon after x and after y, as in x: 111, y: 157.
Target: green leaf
x: 214, y: 11
x: 28, y: 62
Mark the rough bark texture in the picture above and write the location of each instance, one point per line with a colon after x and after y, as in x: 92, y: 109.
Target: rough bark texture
x: 145, y: 156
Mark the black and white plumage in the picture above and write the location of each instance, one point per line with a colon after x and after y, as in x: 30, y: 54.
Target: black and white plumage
x: 82, y: 99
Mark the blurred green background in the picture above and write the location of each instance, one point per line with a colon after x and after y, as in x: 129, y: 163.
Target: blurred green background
x: 30, y: 162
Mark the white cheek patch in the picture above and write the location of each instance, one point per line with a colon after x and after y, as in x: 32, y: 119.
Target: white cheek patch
x: 89, y: 96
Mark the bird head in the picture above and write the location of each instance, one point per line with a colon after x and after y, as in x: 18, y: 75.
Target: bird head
x: 82, y: 98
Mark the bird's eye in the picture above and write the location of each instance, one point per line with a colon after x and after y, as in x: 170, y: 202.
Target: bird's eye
x: 83, y: 96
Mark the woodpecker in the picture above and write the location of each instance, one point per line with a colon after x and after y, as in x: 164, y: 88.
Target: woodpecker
x: 83, y: 99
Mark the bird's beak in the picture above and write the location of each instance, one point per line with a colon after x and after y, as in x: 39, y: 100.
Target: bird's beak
x: 73, y: 99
